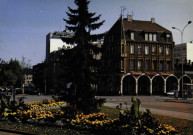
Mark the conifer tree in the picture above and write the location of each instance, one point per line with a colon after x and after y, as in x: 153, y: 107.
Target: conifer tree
x: 81, y: 22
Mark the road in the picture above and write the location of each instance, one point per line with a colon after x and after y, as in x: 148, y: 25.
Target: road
x: 157, y: 104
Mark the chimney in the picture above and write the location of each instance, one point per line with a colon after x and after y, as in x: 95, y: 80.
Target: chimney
x: 129, y: 18
x: 152, y: 20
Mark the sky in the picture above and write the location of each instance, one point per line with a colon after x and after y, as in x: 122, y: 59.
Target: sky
x: 24, y: 24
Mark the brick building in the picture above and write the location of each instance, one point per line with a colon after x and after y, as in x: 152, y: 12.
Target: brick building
x: 138, y: 59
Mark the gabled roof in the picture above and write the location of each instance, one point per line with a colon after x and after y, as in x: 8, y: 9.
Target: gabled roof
x: 147, y: 26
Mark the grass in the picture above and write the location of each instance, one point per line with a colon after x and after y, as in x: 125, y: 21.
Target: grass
x: 35, y: 129
x: 185, y: 127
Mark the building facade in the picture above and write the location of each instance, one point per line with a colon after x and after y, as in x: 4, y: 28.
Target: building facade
x: 183, y: 51
x: 53, y: 73
x: 138, y: 59
x: 55, y: 43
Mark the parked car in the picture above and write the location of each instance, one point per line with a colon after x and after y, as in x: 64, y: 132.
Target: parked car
x: 18, y: 91
x: 171, y: 93
x: 63, y: 92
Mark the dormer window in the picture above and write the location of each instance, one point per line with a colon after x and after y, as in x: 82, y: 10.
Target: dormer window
x: 154, y: 37
x: 132, y: 35
x: 146, y: 36
x: 168, y: 37
x: 150, y: 37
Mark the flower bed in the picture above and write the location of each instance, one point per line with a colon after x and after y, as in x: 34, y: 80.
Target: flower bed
x: 69, y: 117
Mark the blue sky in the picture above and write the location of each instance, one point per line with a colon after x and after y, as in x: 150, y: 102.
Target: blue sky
x: 24, y: 24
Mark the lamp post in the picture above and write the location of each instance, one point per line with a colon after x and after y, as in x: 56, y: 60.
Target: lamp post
x: 181, y: 31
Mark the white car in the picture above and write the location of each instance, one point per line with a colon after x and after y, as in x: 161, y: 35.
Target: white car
x: 171, y: 93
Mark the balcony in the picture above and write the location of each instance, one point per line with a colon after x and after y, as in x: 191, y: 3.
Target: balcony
x: 123, y: 54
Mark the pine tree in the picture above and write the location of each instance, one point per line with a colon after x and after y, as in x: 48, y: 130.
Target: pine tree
x: 81, y: 22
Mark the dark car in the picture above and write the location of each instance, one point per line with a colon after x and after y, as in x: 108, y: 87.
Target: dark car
x: 34, y: 91
x: 63, y: 92
x: 18, y: 91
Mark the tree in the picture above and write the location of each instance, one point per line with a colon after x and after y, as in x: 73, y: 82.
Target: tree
x: 10, y: 73
x: 81, y: 22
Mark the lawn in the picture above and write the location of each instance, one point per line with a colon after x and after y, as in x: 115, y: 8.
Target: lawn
x: 185, y: 127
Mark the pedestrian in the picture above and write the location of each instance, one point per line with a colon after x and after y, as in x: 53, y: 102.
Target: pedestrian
x: 176, y: 94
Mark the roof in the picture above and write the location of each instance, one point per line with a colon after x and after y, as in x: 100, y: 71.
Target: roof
x: 147, y: 26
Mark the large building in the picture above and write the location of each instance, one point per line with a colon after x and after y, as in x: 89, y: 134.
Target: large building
x: 183, y: 51
x: 53, y: 73
x: 138, y: 58
x: 55, y: 43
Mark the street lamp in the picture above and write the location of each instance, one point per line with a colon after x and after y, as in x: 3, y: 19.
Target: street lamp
x: 181, y: 31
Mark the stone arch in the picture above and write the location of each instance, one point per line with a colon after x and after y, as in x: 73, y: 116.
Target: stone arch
x: 186, y: 79
x: 143, y: 84
x: 128, y: 84
x: 171, y: 83
x: 157, y: 85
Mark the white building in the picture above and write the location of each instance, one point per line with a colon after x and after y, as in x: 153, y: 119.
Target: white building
x: 183, y: 51
x: 55, y: 43
x: 28, y: 78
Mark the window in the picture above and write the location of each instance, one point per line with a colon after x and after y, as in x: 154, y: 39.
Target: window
x: 146, y: 50
x: 132, y: 49
x: 147, y: 65
x: 146, y: 36
x: 161, y: 50
x: 123, y: 49
x: 139, y: 49
x: 154, y: 65
x: 122, y: 64
x: 132, y: 65
x: 132, y: 35
x: 168, y: 37
x: 167, y: 51
x: 154, y: 50
x: 154, y: 37
x: 161, y: 65
x: 139, y: 66
x: 168, y: 65
x: 150, y: 36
